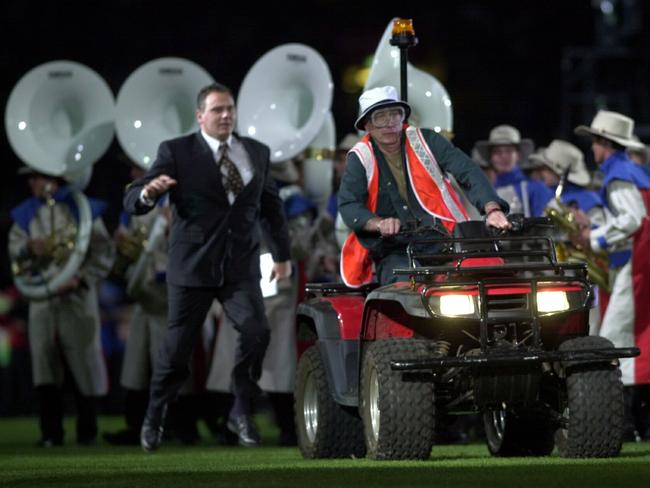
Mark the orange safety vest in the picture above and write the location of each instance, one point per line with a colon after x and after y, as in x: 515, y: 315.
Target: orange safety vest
x: 438, y: 199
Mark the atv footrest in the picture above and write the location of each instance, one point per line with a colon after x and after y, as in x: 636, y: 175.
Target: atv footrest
x: 512, y: 359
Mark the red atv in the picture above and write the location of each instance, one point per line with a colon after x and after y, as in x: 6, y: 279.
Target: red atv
x: 487, y: 324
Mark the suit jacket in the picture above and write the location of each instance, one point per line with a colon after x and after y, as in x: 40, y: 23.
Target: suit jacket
x: 211, y: 240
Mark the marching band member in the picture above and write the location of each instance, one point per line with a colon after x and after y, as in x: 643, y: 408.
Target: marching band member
x: 562, y: 158
x: 625, y: 236
x: 505, y: 150
x: 64, y: 329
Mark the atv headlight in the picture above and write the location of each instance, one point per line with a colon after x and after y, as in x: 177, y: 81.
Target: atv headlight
x: 455, y: 305
x: 552, y: 301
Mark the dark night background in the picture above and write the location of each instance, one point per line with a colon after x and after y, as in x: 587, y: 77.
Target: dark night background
x: 544, y: 67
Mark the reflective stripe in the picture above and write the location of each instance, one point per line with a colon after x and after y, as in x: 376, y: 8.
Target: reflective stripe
x: 429, y: 163
x: 366, y: 156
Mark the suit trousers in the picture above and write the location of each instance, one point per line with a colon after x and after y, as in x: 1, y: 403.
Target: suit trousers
x: 243, y: 304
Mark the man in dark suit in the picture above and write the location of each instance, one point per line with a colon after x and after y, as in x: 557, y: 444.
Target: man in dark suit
x: 219, y: 187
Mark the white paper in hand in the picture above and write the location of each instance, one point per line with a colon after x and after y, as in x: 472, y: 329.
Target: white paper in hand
x: 269, y: 288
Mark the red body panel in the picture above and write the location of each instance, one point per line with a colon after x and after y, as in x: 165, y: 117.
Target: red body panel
x: 349, y: 310
x: 380, y: 326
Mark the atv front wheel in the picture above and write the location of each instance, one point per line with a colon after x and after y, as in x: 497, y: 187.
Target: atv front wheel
x: 397, y: 413
x: 594, y: 408
x: 325, y: 428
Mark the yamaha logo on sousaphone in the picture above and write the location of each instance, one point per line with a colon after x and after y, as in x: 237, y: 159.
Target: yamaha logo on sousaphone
x: 59, y: 121
x: 157, y: 102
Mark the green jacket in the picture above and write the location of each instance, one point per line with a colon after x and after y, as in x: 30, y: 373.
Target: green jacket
x: 353, y: 192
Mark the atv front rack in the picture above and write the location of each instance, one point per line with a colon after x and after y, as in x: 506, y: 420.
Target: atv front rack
x: 505, y: 359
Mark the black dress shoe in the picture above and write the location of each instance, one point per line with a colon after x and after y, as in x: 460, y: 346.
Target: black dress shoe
x: 244, y: 427
x: 151, y: 435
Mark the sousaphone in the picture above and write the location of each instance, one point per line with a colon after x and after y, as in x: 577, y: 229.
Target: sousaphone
x: 284, y: 99
x: 59, y: 121
x: 156, y: 102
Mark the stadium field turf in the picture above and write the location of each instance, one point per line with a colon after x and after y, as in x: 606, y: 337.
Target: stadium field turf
x: 209, y: 464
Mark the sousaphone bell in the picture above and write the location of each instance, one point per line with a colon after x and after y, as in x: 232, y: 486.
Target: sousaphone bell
x: 156, y: 102
x: 59, y: 121
x: 284, y: 99
x: 431, y: 106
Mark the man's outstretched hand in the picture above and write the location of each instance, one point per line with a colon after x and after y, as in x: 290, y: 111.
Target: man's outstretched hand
x: 158, y: 186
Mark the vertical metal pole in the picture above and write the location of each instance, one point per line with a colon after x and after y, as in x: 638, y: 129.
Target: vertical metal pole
x: 403, y: 59
x: 403, y: 37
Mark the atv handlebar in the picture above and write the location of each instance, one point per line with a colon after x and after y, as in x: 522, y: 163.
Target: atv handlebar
x: 471, y: 228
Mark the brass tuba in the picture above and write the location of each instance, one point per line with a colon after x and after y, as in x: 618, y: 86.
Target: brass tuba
x: 564, y: 218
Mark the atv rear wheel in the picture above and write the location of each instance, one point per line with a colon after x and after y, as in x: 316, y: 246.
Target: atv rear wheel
x: 398, y: 415
x: 594, y: 407
x: 517, y: 433
x: 325, y: 428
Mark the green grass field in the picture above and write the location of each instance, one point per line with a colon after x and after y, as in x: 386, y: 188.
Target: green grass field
x: 208, y: 464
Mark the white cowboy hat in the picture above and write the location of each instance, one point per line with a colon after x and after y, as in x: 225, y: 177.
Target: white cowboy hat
x: 382, y: 96
x: 562, y: 156
x: 505, y: 135
x: 611, y: 126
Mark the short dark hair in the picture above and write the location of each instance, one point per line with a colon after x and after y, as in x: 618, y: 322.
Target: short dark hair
x: 206, y: 90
